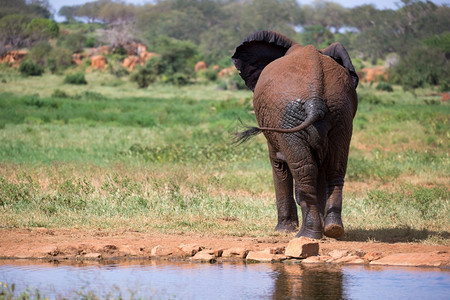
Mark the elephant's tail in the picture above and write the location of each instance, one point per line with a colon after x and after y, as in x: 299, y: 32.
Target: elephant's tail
x: 243, y: 136
x: 315, y: 110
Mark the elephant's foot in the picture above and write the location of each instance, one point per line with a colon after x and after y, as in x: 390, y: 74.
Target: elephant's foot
x: 334, y: 227
x: 311, y: 227
x: 287, y: 226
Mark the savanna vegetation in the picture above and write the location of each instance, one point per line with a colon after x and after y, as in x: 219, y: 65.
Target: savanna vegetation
x: 90, y: 150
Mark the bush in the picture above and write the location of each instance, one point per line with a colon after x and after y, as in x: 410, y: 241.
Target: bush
x: 384, y: 86
x: 422, y: 66
x: 40, y: 51
x: 60, y: 58
x: 146, y: 74
x: 208, y: 75
x: 76, y: 78
x: 30, y: 68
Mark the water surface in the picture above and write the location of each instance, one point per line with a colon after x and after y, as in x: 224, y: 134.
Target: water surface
x: 184, y: 280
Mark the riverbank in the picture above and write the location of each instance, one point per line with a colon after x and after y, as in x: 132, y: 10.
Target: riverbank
x: 72, y: 244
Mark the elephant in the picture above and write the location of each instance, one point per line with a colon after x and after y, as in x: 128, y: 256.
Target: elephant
x: 304, y: 101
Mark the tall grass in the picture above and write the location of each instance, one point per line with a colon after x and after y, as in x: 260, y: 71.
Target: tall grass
x: 163, y: 160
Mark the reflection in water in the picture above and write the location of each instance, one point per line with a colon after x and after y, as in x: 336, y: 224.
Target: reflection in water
x: 308, y: 282
x: 185, y: 280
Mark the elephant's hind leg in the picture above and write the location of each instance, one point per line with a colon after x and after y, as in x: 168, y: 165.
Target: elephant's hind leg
x: 333, y: 226
x: 284, y: 191
x: 305, y: 174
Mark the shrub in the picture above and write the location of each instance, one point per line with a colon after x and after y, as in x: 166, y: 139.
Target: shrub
x: 421, y: 67
x: 146, y: 74
x: 384, y: 86
x: 208, y: 75
x: 40, y: 51
x: 76, y: 78
x: 59, y: 94
x: 30, y: 68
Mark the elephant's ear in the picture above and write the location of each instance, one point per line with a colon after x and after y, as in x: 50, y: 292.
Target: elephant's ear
x: 257, y: 51
x: 340, y: 55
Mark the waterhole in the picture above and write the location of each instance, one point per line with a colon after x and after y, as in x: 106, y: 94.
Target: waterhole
x: 185, y: 280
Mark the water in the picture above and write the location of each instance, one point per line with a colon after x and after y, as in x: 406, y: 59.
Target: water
x: 184, y: 280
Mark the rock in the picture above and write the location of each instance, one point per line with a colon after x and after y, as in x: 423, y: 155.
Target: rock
x: 433, y: 259
x: 191, y: 249
x: 204, y: 256
x: 77, y: 58
x: 93, y: 255
x: 98, y: 62
x: 336, y: 254
x: 370, y: 256
x: 317, y: 259
x: 235, y: 252
x: 130, y: 62
x: 201, y: 65
x: 167, y: 251
x: 302, y: 248
x: 350, y: 260
x: 215, y: 252
x: 49, y: 250
x: 264, y: 256
x: 13, y: 57
x: 227, y: 71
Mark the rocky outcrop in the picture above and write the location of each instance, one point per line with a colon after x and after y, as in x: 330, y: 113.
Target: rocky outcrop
x: 13, y: 58
x: 201, y: 65
x: 98, y: 62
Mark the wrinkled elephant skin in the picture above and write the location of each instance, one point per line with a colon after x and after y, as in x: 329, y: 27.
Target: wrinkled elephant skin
x: 304, y: 101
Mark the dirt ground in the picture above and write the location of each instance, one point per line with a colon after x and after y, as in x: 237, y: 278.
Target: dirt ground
x: 60, y: 244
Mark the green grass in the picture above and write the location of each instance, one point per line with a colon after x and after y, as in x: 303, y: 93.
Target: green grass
x: 114, y: 156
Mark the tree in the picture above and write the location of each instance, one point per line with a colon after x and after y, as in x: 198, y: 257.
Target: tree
x: 41, y: 29
x: 13, y: 31
x: 329, y: 15
x: 68, y: 12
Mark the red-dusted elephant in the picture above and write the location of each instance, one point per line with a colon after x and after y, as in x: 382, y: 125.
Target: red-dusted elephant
x: 304, y: 101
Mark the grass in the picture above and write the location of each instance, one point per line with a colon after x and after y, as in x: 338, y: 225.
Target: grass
x: 161, y: 159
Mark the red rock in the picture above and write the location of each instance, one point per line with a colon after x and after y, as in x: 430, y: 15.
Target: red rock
x: 49, y: 250
x: 433, y: 259
x: 204, y: 256
x: 352, y: 259
x: 370, y: 256
x: 167, y: 251
x: 201, y: 65
x: 191, y: 249
x: 264, y: 256
x: 93, y: 255
x: 98, y: 62
x: 317, y: 259
x: 302, y: 248
x: 235, y: 252
x: 336, y: 254
x: 227, y: 71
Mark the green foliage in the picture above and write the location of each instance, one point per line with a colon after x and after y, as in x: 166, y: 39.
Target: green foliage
x: 207, y: 75
x: 234, y: 82
x: 177, y: 59
x: 147, y: 74
x: 384, y: 86
x: 74, y: 41
x: 421, y: 67
x: 41, y: 29
x: 59, y: 59
x: 318, y: 36
x: 40, y: 52
x: 76, y: 78
x: 30, y: 68
x: 13, y: 31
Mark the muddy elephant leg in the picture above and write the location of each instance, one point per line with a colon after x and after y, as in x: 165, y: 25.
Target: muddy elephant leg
x: 284, y: 191
x: 305, y: 176
x: 333, y: 226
